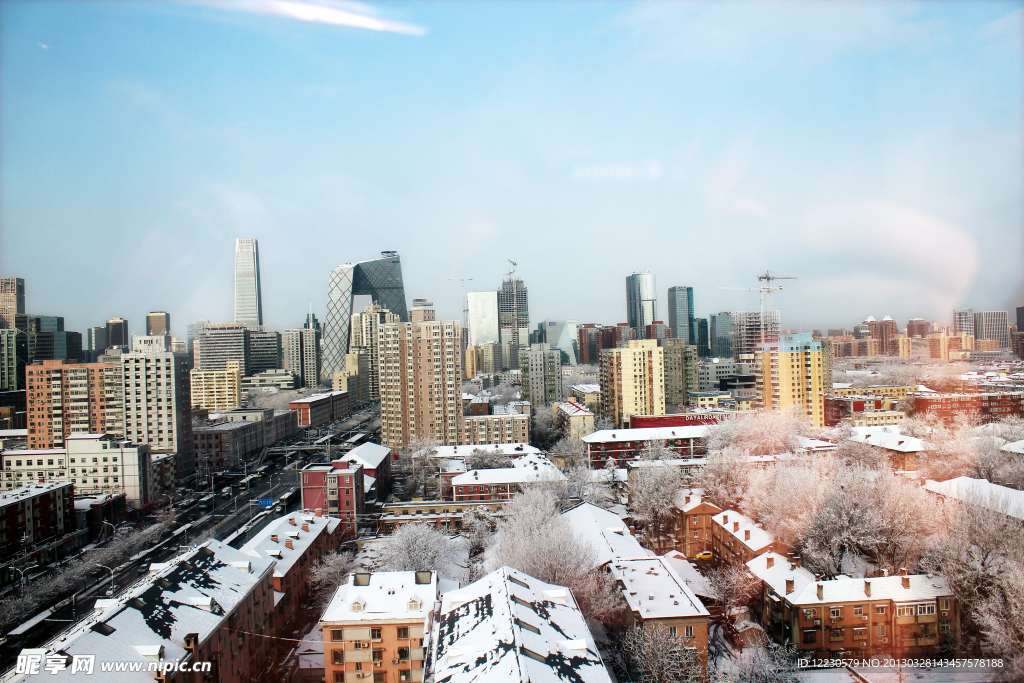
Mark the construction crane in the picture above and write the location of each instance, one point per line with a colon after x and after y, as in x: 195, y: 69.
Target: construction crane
x: 766, y: 287
x: 465, y: 301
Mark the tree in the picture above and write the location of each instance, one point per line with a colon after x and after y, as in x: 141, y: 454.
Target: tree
x: 724, y: 478
x: 483, y: 459
x: 330, y: 572
x: 733, y: 587
x: 759, y: 433
x: 657, y: 450
x: 413, y: 466
x: 651, y: 654
x: 652, y: 492
x: 478, y: 526
x: 417, y: 547
x: 543, y: 430
x: 571, y: 450
x: 769, y: 663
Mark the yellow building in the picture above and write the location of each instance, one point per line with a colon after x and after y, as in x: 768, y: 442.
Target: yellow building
x: 587, y: 394
x: 632, y: 379
x: 218, y: 390
x: 573, y: 418
x: 875, y: 390
x: 474, y: 359
x: 355, y: 378
x: 791, y: 376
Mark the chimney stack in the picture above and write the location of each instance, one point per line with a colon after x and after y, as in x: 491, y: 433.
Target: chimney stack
x: 273, y: 537
x: 906, y: 581
x: 821, y: 592
x: 770, y: 562
x: 288, y: 543
x: 746, y: 535
x: 790, y: 586
x: 305, y: 527
x: 735, y: 526
x: 867, y: 589
x: 903, y: 571
x: 291, y: 520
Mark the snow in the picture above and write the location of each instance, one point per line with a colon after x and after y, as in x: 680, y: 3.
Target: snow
x: 369, y: 455
x: 654, y: 590
x: 693, y: 579
x: 759, y: 538
x: 510, y: 627
x: 646, y: 434
x: 922, y: 587
x: 261, y: 545
x: 513, y: 449
x: 888, y: 438
x: 604, y: 531
x: 573, y: 409
x: 509, y: 475
x: 1015, y: 447
x: 779, y: 573
x: 587, y: 388
x: 388, y: 595
x: 981, y: 492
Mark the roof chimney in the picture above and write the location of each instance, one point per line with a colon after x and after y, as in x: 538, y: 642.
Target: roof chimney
x: 725, y: 519
x: 305, y: 527
x: 687, y: 500
x: 821, y: 592
x: 790, y: 587
x: 746, y: 535
x: 291, y: 520
x: 735, y: 526
x: 288, y: 543
x: 770, y: 562
x: 319, y: 512
x: 903, y: 571
x: 273, y: 537
x: 906, y: 581
x: 867, y: 589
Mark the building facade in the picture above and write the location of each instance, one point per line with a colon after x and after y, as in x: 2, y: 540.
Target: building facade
x: 248, y: 295
x: 542, y: 374
x: 73, y: 398
x: 12, y: 301
x: 158, y: 323
x: 366, y: 336
x: 632, y: 379
x: 641, y: 302
x: 791, y: 376
x: 217, y: 390
x: 680, y: 314
x: 993, y: 325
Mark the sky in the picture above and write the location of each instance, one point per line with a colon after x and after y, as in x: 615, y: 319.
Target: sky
x: 872, y: 150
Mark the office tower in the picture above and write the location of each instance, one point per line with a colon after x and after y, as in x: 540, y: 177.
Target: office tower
x: 632, y: 378
x: 366, y: 335
x: 97, y: 340
x: 117, y: 333
x: 918, y: 327
x: 589, y: 343
x: 158, y: 323
x: 883, y: 330
x: 791, y: 376
x: 680, y: 371
x: 641, y: 302
x: 12, y: 300
x: 84, y: 398
x: 993, y: 325
x: 720, y: 332
x: 747, y: 330
x: 381, y: 279
x: 422, y: 311
x: 1020, y: 318
x: 217, y: 390
x: 13, y: 353
x: 703, y: 338
x: 158, y: 405
x: 57, y: 345
x: 219, y: 343
x: 542, y: 375
x: 195, y: 328
x: 513, y: 319
x: 248, y: 297
x: 420, y: 370
x: 482, y: 310
x: 264, y: 351
x: 559, y: 335
x: 658, y: 330
x: 301, y: 355
x: 680, y: 314
x: 963, y: 321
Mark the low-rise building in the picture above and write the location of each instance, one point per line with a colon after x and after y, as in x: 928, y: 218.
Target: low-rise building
x: 499, y: 428
x: 375, y: 461
x: 338, y: 489
x: 736, y: 539
x: 986, y: 406
x: 376, y: 625
x: 780, y: 578
x: 628, y: 444
x: 981, y: 493
x: 604, y: 531
x: 440, y: 514
x: 319, y: 409
x: 501, y: 483
x: 587, y: 394
x: 903, y: 451
x: 691, y: 532
x: 573, y: 418
x: 227, y: 444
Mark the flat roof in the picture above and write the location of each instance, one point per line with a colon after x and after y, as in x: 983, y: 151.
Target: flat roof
x: 386, y: 595
x: 646, y: 434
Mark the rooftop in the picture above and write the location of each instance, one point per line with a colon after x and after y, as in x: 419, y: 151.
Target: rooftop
x: 25, y: 492
x: 509, y: 475
x: 693, y: 579
x: 383, y: 595
x: 654, y: 590
x: 759, y: 538
x: 369, y: 455
x: 506, y: 448
x: 603, y: 530
x: 981, y: 492
x: 587, y: 388
x: 572, y: 409
x: 646, y: 434
x: 289, y: 527
x: 228, y: 426
x: 922, y: 587
x: 888, y: 438
x: 779, y: 573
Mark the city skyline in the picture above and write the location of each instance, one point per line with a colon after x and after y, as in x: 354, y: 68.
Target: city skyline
x: 876, y: 158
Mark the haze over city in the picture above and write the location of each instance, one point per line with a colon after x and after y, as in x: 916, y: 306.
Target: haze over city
x: 872, y: 150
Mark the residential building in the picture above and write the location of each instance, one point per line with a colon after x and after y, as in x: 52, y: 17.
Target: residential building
x: 506, y: 427
x: 248, y: 295
x: 573, y: 419
x: 657, y: 330
x: 158, y: 404
x: 589, y: 395
x: 983, y: 494
x: 883, y: 330
x: 117, y: 333
x: 736, y: 539
x: 158, y: 323
x: 903, y: 451
x: 264, y: 351
x: 963, y: 321
x: 482, y: 310
x: 986, y: 406
x: 691, y: 532
x: 276, y: 424
x: 492, y: 630
x: 542, y: 374
x: 355, y: 378
x: 366, y: 336
x: 862, y: 410
x: 422, y: 311
x: 73, y: 398
x: 320, y: 409
x: 501, y: 483
x: 899, y: 391
x: 375, y: 461
x: 376, y: 625
x: 472, y: 360
x: 641, y: 302
x: 338, y: 489
x: 226, y: 445
x: 791, y: 376
x: 710, y: 372
x: 301, y: 355
x: 381, y: 279
x: 513, y: 319
x: 680, y: 315
x: 217, y: 390
x: 35, y: 513
x: 918, y: 328
x: 993, y: 325
x: 627, y: 444
x: 588, y: 343
x: 12, y: 301
x: 632, y: 379
x: 440, y: 514
x: 779, y: 579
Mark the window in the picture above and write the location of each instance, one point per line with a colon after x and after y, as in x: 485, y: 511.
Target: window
x: 858, y: 610
x: 336, y: 635
x: 378, y: 655
x: 672, y: 631
x: 926, y: 609
x: 835, y: 612
x: 835, y: 634
x: 688, y: 632
x: 403, y: 653
x: 403, y: 631
x: 879, y: 609
x: 880, y: 630
x: 905, y: 610
x: 860, y: 633
x: 337, y: 656
x: 810, y: 636
x: 810, y: 613
x: 374, y: 634
x: 339, y: 677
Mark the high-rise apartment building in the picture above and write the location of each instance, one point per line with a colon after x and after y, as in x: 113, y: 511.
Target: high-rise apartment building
x: 422, y: 311
x: 356, y: 377
x: 513, y: 319
x: 66, y: 398
x: 748, y: 332
x: 420, y: 371
x: 379, y: 278
x: 918, y: 327
x: 13, y: 354
x: 641, y: 302
x: 963, y: 321
x: 366, y: 335
x: 301, y: 355
x: 12, y: 301
x: 613, y: 335
x: 482, y: 310
x: 680, y: 314
x: 158, y: 404
x: 994, y: 325
x: 589, y: 343
x: 117, y: 333
x: 884, y: 330
x: 219, y: 343
x: 680, y: 371
x: 217, y: 390
x: 791, y: 376
x: 158, y: 323
x: 632, y: 379
x: 248, y: 297
x: 542, y: 375
x: 658, y: 330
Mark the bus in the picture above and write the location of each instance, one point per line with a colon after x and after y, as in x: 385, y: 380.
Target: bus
x: 244, y: 484
x: 261, y: 471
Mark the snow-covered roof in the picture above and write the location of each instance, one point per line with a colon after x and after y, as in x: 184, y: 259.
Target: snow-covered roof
x: 383, y: 595
x: 508, y: 475
x: 509, y: 627
x: 193, y: 594
x: 737, y: 524
x: 1014, y: 447
x: 505, y: 448
x: 981, y: 492
x: 262, y: 544
x: 889, y: 438
x: 603, y: 530
x: 369, y: 455
x: 573, y: 409
x: 587, y: 388
x: 688, y: 499
x: 646, y: 434
x: 662, y: 462
x: 30, y: 491
x: 654, y: 590
x: 813, y: 445
x: 779, y: 573
x: 693, y: 579
x: 922, y: 587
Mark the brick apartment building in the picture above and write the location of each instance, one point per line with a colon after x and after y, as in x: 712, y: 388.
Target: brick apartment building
x: 987, y: 406
x: 338, y: 489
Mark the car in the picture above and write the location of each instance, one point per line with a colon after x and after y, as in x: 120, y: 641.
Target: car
x: 705, y: 555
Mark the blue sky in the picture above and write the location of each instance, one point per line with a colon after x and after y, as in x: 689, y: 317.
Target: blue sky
x: 873, y: 150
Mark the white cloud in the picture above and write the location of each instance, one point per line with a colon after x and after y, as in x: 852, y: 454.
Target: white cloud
x: 354, y: 14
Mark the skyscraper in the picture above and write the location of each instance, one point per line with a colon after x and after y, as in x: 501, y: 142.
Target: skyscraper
x: 792, y: 376
x: 720, y: 328
x: 97, y: 341
x: 632, y: 380
x: 963, y: 321
x: 993, y: 325
x: 158, y: 323
x: 301, y: 352
x: 483, y: 317
x: 641, y: 302
x: 379, y: 278
x: 117, y: 333
x: 513, y: 319
x: 248, y: 300
x: 680, y: 314
x: 12, y: 300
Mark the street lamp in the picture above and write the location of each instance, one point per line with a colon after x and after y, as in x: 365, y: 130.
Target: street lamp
x: 111, y: 576
x: 21, y: 575
x: 112, y: 528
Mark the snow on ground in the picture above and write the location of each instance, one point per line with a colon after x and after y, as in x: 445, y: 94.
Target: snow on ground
x: 944, y: 674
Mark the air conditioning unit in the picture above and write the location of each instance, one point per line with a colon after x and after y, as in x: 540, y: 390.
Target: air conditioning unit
x: 883, y: 640
x: 864, y: 618
x: 378, y: 662
x: 394, y: 661
x: 817, y: 622
x: 945, y: 614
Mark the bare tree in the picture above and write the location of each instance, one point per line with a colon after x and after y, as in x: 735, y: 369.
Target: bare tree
x: 657, y: 450
x: 768, y: 663
x: 652, y: 490
x: 414, y: 469
x: 733, y: 587
x: 330, y: 572
x: 543, y: 430
x: 570, y: 449
x: 725, y: 478
x: 652, y: 654
x: 759, y: 433
x: 417, y: 547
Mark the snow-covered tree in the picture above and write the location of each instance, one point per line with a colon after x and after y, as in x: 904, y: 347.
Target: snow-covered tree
x: 725, y: 478
x: 414, y: 469
x: 571, y: 450
x: 759, y: 433
x: 768, y: 663
x: 543, y: 430
x: 484, y: 459
x: 478, y: 526
x: 657, y: 450
x: 651, y: 654
x: 417, y: 547
x: 330, y: 572
x: 733, y: 587
x: 652, y: 491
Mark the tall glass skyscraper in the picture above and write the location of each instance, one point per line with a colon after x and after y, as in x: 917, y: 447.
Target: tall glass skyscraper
x: 641, y: 302
x: 248, y: 302
x: 680, y: 314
